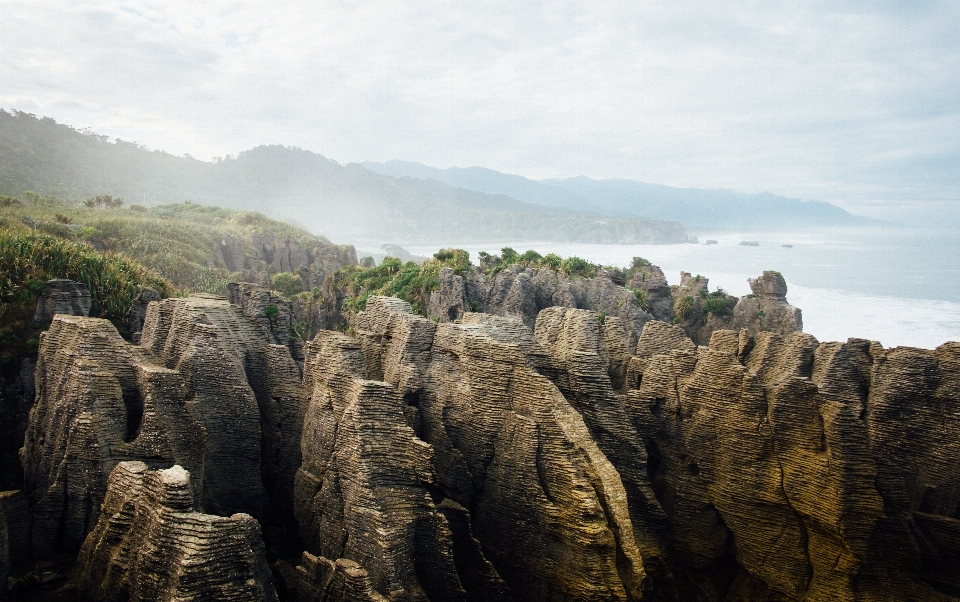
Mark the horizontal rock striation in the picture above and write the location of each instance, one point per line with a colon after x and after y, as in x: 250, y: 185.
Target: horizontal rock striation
x: 521, y: 293
x: 510, y: 453
x: 363, y: 491
x: 61, y: 296
x: 634, y: 297
x: 476, y: 458
x: 150, y: 544
x: 260, y: 255
x: 206, y: 390
x: 782, y: 449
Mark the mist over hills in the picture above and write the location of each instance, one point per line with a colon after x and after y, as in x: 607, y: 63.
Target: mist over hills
x: 347, y: 203
x: 695, y: 208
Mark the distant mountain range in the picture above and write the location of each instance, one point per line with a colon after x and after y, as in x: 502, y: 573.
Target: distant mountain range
x: 694, y: 208
x: 346, y: 203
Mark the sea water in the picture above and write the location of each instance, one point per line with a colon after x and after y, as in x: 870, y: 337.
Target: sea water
x: 898, y: 286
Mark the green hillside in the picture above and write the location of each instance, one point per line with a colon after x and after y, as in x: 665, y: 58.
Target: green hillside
x: 344, y: 202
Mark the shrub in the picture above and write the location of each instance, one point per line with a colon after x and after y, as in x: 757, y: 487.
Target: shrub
x: 682, y: 306
x: 138, y: 208
x: 716, y: 304
x: 550, y: 260
x: 639, y: 262
x: 509, y: 256
x: 271, y: 312
x: 576, y: 266
x: 458, y: 259
x: 102, y: 201
x: 641, y: 298
x: 113, y: 281
x: 530, y: 258
x: 287, y: 284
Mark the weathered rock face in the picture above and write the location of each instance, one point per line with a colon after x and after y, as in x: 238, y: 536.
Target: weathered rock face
x: 260, y: 255
x: 16, y: 397
x: 205, y: 390
x: 511, y: 454
x: 61, y: 296
x: 782, y: 457
x: 483, y: 460
x: 767, y: 309
x: 150, y: 544
x: 363, y: 489
x: 138, y: 312
x: 656, y: 291
x: 522, y: 293
x: 256, y: 302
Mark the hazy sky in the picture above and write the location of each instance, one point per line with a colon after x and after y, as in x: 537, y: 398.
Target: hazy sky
x: 853, y: 102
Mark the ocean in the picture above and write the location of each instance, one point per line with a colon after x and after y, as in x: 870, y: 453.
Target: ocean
x: 899, y: 286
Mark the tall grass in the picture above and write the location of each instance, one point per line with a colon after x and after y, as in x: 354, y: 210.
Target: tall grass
x: 27, y: 261
x: 178, y: 241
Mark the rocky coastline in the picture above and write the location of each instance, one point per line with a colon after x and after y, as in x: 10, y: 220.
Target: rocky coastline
x: 533, y: 437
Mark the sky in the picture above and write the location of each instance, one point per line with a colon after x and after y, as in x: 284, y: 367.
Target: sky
x: 856, y: 103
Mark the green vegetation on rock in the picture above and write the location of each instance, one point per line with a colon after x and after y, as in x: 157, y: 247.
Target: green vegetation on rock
x: 683, y: 306
x: 179, y: 241
x: 717, y: 303
x: 29, y: 258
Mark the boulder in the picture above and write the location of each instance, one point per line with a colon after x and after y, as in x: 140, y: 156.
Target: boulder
x: 61, y: 296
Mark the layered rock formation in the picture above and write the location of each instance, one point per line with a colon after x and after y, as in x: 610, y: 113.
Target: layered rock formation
x: 767, y: 308
x: 636, y: 297
x: 61, y: 296
x: 150, y: 544
x: 513, y: 459
x: 205, y: 390
x: 701, y: 313
x: 261, y: 255
x: 520, y: 293
x: 480, y: 459
x: 137, y: 313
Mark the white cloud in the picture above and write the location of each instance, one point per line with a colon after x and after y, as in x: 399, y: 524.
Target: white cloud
x: 850, y: 102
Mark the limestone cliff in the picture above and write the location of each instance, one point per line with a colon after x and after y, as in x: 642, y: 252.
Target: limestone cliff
x: 479, y: 459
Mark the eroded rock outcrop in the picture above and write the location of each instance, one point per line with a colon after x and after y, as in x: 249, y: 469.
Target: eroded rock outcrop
x: 701, y: 312
x: 137, y: 313
x: 205, y: 390
x: 520, y: 293
x: 767, y: 308
x: 480, y: 459
x: 657, y: 298
x: 150, y: 544
x: 60, y: 296
x: 781, y: 455
x: 363, y: 491
x: 511, y: 451
x: 260, y: 255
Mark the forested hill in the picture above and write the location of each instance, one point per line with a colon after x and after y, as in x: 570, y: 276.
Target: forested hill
x: 696, y: 208
x: 347, y: 203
